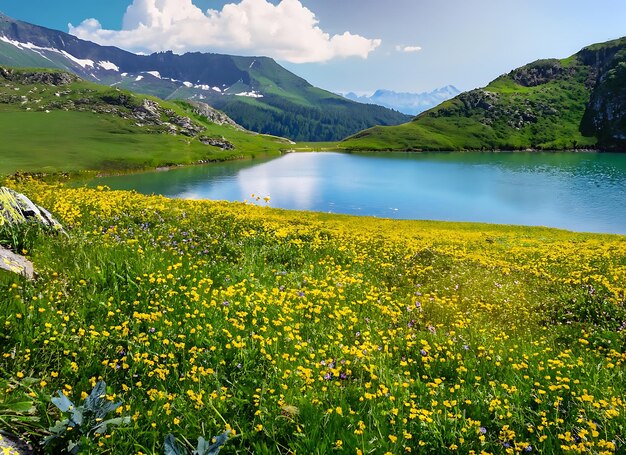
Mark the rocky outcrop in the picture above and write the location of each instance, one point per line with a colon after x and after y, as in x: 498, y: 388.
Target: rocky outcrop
x: 220, y: 142
x: 490, y: 107
x: 539, y: 73
x: 37, y: 77
x: 605, y: 116
x: 213, y: 115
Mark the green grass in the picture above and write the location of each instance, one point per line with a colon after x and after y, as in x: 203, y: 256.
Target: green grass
x: 556, y: 106
x: 60, y: 140
x: 315, y: 333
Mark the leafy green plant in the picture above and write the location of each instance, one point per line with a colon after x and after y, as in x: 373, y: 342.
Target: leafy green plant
x: 85, y: 421
x: 204, y: 447
x: 17, y: 410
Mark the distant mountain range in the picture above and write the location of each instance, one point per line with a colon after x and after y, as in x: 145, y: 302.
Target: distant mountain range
x: 407, y: 103
x: 572, y: 103
x: 256, y: 92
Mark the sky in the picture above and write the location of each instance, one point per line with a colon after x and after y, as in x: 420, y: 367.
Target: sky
x: 347, y: 45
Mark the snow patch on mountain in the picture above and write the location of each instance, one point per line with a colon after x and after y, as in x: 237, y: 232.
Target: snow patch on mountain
x: 108, y: 66
x: 251, y: 94
x: 82, y: 62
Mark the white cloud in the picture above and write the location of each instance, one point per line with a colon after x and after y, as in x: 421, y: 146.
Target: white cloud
x: 408, y: 48
x: 286, y: 31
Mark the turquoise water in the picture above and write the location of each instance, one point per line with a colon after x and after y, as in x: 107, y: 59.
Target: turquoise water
x: 576, y: 191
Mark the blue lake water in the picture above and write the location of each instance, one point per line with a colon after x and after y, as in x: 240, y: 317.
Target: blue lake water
x: 576, y: 191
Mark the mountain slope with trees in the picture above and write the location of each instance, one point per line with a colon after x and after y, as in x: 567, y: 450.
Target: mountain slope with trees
x: 256, y: 92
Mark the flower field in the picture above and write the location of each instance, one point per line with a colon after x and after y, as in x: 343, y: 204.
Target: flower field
x: 312, y: 333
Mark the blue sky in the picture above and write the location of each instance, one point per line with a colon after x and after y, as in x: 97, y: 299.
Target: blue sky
x: 349, y: 45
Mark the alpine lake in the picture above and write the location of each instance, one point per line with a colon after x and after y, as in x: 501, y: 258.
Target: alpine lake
x: 578, y: 191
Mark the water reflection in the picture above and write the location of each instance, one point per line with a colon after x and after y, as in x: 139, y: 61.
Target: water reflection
x: 578, y: 191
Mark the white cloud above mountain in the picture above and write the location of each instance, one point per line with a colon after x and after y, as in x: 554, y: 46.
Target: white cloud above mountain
x: 287, y: 31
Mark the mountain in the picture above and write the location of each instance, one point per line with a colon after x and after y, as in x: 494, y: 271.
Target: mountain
x: 53, y: 121
x: 255, y: 91
x: 577, y: 102
x: 407, y: 103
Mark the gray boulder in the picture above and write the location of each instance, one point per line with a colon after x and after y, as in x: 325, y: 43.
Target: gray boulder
x: 15, y: 208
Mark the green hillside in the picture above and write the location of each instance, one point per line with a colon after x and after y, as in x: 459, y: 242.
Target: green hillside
x: 54, y: 121
x: 578, y: 102
x: 256, y: 92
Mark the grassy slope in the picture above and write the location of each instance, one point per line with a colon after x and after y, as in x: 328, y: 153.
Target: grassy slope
x: 14, y: 57
x: 316, y: 333
x: 33, y: 140
x: 558, y: 105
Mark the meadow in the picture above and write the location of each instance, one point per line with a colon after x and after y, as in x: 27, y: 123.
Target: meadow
x: 74, y: 126
x: 313, y: 333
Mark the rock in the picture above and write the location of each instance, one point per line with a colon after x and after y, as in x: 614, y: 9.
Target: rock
x: 188, y: 127
x: 148, y: 113
x: 15, y: 263
x: 213, y: 115
x: 539, y: 72
x: 16, y: 208
x: 12, y: 445
x: 217, y: 142
x: 37, y: 77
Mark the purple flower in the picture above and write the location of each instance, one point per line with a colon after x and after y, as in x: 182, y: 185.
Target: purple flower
x: 328, y: 376
x: 482, y: 430
x: 423, y: 352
